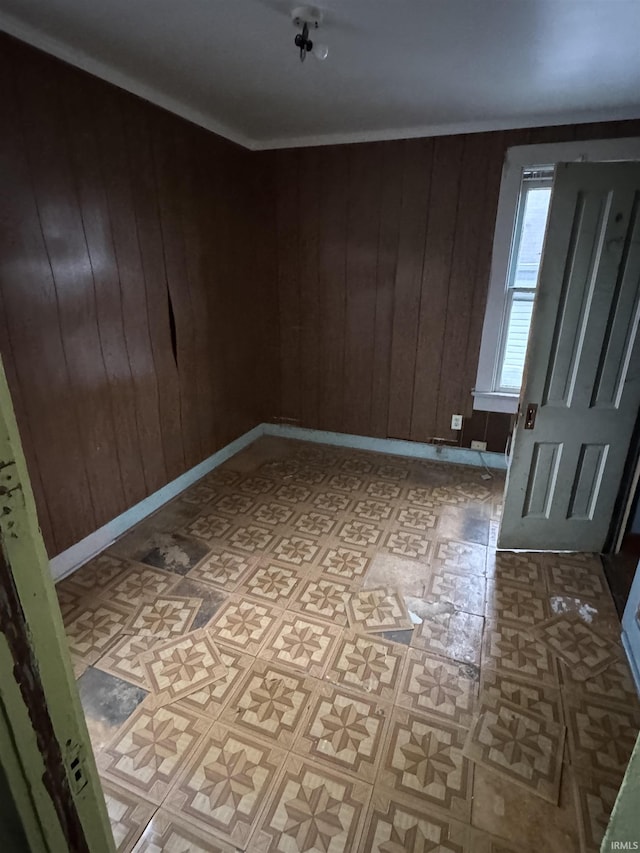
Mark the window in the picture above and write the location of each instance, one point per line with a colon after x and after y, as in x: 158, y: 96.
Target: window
x: 522, y: 277
x: 523, y: 207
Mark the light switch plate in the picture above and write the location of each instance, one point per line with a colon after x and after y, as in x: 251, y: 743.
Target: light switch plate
x: 456, y: 421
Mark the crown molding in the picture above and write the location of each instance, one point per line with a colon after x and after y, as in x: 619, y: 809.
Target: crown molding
x: 107, y: 72
x: 428, y: 130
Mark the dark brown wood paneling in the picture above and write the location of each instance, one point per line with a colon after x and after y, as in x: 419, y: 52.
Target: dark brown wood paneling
x: 402, y: 363
x: 36, y: 347
x: 332, y: 260
x: 416, y: 184
x: 149, y: 234
x: 113, y: 209
x: 81, y: 108
x: 360, y: 304
x: 440, y: 237
x: 490, y: 189
x: 459, y: 316
x: 288, y: 283
x: 386, y: 252
x: 308, y: 285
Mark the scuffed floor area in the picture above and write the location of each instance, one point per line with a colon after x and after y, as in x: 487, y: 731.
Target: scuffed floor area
x: 318, y: 649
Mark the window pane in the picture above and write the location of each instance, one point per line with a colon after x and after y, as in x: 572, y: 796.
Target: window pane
x: 515, y: 342
x: 529, y: 249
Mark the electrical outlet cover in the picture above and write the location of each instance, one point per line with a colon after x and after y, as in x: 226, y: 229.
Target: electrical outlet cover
x: 456, y: 421
x: 478, y: 445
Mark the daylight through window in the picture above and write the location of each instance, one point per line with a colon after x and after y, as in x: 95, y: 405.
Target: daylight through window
x: 522, y: 278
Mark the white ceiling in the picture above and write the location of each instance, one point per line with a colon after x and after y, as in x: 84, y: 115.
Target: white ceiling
x: 396, y: 68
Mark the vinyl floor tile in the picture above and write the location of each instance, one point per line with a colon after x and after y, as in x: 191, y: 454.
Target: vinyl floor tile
x: 346, y: 563
x: 513, y: 649
x: 464, y: 591
x: 168, y: 834
x: 317, y: 712
x: 312, y: 809
x: 296, y: 550
x: 97, y: 574
x: 408, y: 543
x: 164, y: 617
x: 438, y: 687
x: 525, y: 822
x: 270, y: 702
x: 150, y: 749
x: 595, y: 795
x: 123, y: 659
x: 375, y: 610
x: 224, y: 568
x: 225, y: 782
x: 137, y: 583
x: 516, y: 602
x: 579, y: 575
x: 408, y: 575
x: 344, y: 731
x: 324, y: 598
x: 539, y: 699
x: 521, y: 746
x: 302, y: 642
x: 614, y: 684
x: 601, y: 735
x: 210, y: 526
x: 396, y: 825
x: 424, y: 760
x: 367, y: 664
x: 209, y: 700
x: 128, y: 815
x: 181, y: 666
x: 244, y: 624
x: 94, y: 627
x: 447, y: 632
x: 577, y: 644
x: 272, y: 582
x: 598, y: 614
x: 516, y: 567
x: 454, y: 551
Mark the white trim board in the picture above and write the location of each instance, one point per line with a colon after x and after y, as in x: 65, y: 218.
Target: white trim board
x: 71, y: 559
x: 68, y: 561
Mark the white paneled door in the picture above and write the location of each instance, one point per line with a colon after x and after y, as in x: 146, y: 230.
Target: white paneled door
x: 581, y: 389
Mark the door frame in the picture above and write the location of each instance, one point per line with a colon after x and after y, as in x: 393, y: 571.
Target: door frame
x: 629, y: 485
x: 46, y: 752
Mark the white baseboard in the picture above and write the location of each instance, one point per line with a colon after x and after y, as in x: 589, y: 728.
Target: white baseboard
x: 392, y: 446
x: 68, y: 561
x: 71, y: 559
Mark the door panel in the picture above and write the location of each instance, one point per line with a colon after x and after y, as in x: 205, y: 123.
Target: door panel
x: 583, y: 364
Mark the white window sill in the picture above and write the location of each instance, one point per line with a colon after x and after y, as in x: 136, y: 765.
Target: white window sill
x: 495, y: 401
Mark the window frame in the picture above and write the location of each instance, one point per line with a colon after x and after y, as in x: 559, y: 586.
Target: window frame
x: 509, y: 288
x: 519, y: 159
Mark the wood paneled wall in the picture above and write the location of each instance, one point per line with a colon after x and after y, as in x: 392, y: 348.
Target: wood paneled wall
x: 384, y: 255
x: 138, y: 311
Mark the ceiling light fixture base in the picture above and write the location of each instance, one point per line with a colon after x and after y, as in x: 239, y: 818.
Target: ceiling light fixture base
x: 309, y: 15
